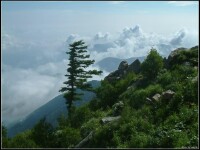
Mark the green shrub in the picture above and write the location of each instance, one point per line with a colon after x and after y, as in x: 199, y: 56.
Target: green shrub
x: 80, y: 115
x: 176, y: 102
x: 165, y: 79
x: 152, y: 65
x: 138, y: 98
x: 89, y: 126
x: 190, y: 92
x: 109, y: 93
x: 67, y: 138
x: 103, y: 137
x: 5, y: 140
x: 42, y: 134
x: 23, y: 140
x: 139, y: 140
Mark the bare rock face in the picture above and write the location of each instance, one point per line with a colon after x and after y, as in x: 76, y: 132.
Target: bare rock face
x: 135, y: 66
x: 116, y: 75
x: 123, y: 65
x: 123, y: 69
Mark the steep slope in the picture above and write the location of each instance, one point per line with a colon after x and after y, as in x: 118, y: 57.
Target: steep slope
x: 51, y: 110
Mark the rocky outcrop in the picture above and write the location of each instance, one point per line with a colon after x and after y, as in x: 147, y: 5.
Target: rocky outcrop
x: 182, y: 56
x: 116, y: 75
x: 173, y: 57
x: 176, y: 52
x: 123, y: 69
x: 123, y: 65
x: 109, y: 119
x: 135, y: 66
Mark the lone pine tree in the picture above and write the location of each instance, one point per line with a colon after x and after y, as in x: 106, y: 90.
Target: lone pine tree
x: 77, y: 74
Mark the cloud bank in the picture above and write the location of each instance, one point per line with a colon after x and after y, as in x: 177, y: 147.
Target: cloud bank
x: 33, y: 71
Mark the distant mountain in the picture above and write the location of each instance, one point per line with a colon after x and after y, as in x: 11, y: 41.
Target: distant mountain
x: 111, y: 63
x: 51, y: 110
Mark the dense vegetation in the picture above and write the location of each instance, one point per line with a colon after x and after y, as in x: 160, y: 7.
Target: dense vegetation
x: 171, y: 123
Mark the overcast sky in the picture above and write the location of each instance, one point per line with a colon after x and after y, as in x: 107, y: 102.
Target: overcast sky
x: 35, y: 36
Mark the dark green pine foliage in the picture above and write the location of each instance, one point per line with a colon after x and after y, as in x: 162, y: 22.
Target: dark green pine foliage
x: 77, y: 73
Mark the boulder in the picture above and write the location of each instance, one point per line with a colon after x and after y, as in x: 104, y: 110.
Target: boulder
x: 109, y: 119
x: 156, y: 97
x: 168, y: 94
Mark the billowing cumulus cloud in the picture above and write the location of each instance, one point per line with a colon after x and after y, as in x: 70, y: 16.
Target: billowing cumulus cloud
x: 134, y: 42
x: 33, y: 71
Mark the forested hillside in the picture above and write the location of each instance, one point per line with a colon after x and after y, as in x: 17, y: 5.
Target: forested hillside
x: 153, y: 104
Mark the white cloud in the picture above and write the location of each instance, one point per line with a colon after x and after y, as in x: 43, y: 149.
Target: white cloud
x: 26, y: 88
x: 134, y: 42
x: 23, y: 90
x: 183, y: 3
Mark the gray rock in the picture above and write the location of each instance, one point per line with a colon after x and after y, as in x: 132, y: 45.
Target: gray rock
x: 156, y: 97
x: 113, y: 76
x: 109, y: 119
x: 85, y: 140
x: 176, y: 52
x: 149, y: 101
x: 123, y: 65
x: 116, y: 75
x: 134, y: 67
x: 168, y: 94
